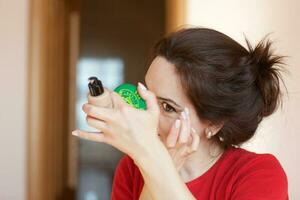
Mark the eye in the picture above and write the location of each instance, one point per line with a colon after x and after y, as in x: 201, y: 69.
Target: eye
x: 167, y: 107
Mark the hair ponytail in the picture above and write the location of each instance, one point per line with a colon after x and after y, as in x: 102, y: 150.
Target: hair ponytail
x: 266, y: 68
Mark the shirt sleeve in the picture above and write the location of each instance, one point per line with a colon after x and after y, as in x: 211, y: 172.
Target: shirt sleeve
x: 123, y: 180
x: 261, y: 179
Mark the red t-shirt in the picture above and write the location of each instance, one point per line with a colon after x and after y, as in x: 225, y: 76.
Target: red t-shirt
x: 237, y: 175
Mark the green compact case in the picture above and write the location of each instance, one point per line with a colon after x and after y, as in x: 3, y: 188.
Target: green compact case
x: 130, y: 94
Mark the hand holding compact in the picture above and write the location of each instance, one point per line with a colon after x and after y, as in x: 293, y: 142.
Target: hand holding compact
x: 182, y: 140
x: 132, y: 131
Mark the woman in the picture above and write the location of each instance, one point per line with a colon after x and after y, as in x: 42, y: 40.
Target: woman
x: 206, y: 96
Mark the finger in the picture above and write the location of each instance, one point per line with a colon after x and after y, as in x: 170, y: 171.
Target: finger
x: 149, y: 97
x: 173, y: 135
x: 117, y: 100
x: 190, y: 140
x: 97, y: 137
x: 195, y: 142
x: 101, y: 113
x: 97, y: 124
x: 185, y: 127
x: 95, y: 100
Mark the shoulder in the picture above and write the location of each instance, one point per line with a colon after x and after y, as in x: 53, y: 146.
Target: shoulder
x: 247, y: 160
x: 258, y: 173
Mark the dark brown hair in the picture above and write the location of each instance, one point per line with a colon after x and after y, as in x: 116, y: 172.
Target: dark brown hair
x: 227, y: 83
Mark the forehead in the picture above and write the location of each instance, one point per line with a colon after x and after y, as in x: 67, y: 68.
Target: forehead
x: 162, y: 79
x: 161, y: 70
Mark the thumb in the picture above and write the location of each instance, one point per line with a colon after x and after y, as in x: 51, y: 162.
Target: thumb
x: 149, y: 97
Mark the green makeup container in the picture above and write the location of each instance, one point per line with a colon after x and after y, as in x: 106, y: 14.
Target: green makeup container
x: 130, y: 94
x: 127, y: 91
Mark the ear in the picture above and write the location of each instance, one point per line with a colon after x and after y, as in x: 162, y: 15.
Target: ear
x: 213, y: 129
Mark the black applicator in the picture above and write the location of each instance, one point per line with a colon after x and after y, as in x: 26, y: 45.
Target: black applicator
x: 95, y: 86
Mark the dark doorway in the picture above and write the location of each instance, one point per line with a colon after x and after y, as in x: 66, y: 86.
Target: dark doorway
x: 115, y: 39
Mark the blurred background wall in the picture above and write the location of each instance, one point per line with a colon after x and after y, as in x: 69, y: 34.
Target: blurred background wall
x: 13, y: 95
x: 278, y: 134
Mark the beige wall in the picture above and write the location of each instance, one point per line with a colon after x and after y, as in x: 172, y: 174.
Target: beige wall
x: 278, y: 134
x: 13, y: 38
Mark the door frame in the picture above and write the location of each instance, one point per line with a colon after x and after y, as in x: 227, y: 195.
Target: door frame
x: 176, y: 14
x: 49, y: 175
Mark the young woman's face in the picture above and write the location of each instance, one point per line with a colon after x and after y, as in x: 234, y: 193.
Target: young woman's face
x: 162, y: 79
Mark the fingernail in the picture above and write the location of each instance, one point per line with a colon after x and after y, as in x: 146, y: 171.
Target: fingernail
x: 75, y: 133
x: 142, y: 86
x: 193, y: 130
x: 186, y: 110
x: 183, y: 114
x: 177, y: 123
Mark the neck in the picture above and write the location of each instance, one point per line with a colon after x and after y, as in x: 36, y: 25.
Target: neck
x: 200, y: 161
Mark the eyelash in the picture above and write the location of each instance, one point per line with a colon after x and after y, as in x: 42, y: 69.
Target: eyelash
x: 167, y: 105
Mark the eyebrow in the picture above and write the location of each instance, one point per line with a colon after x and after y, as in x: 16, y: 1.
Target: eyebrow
x: 166, y: 99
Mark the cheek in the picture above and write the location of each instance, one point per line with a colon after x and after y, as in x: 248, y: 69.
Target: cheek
x: 165, y: 124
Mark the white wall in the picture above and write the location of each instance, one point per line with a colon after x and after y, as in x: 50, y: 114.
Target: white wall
x: 13, y: 44
x: 279, y: 133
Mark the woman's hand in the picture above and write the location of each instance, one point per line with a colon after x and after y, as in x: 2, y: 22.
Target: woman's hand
x: 130, y: 130
x: 182, y: 140
x: 104, y: 100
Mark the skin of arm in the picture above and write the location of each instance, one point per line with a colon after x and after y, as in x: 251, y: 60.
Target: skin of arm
x: 162, y: 181
x: 145, y: 194
x: 176, y: 144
